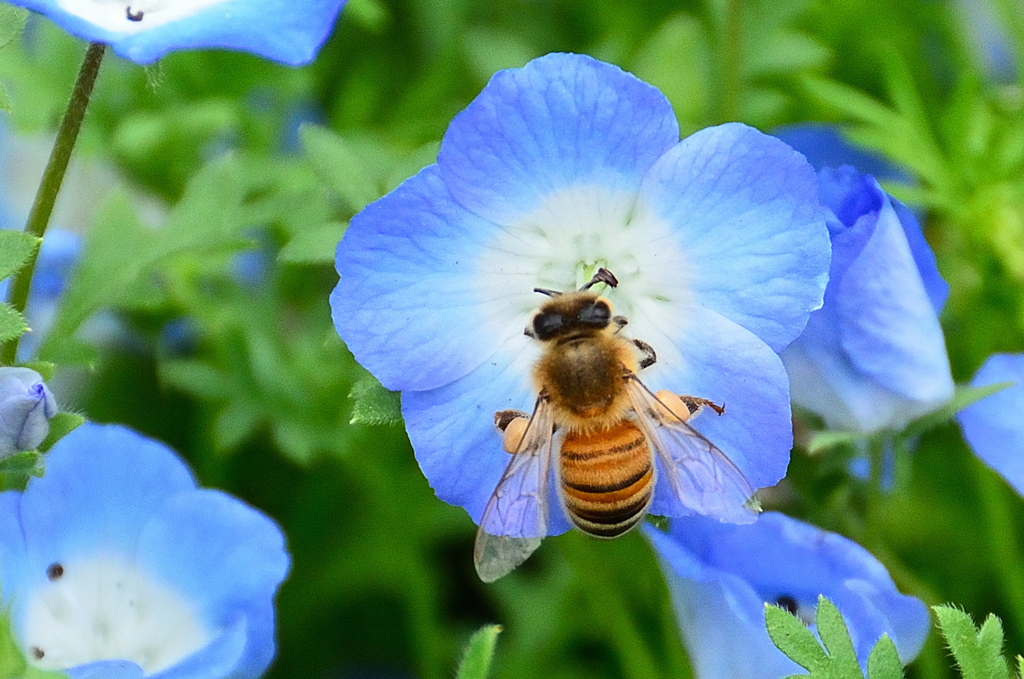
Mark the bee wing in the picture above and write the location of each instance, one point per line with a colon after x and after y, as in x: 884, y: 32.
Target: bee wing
x: 516, y: 518
x: 702, y: 477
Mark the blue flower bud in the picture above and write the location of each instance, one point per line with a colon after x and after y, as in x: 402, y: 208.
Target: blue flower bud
x: 26, y: 406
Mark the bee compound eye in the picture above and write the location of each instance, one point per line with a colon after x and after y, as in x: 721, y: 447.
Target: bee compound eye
x: 598, y: 314
x: 547, y: 324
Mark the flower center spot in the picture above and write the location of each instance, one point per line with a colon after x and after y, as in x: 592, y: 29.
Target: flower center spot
x: 117, y: 17
x: 105, y: 608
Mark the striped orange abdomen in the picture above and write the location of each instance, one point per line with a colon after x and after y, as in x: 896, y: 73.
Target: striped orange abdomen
x: 607, y: 479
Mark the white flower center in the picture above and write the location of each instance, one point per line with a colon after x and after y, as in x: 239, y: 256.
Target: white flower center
x: 558, y: 246
x: 132, y: 16
x: 104, y: 608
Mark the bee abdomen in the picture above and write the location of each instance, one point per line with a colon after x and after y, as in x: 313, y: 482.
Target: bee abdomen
x: 607, y: 479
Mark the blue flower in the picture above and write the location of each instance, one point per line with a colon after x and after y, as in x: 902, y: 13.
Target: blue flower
x: 721, y: 575
x: 145, y: 30
x: 555, y: 169
x: 115, y: 564
x: 26, y: 406
x: 874, y: 356
x: 994, y: 426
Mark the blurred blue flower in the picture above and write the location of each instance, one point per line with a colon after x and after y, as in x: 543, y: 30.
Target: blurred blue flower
x: 721, y: 575
x: 145, y: 30
x: 114, y: 564
x: 874, y: 356
x: 554, y: 169
x: 26, y: 406
x: 994, y: 426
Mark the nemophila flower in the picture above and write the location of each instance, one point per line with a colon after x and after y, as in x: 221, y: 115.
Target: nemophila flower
x: 994, y: 426
x: 145, y: 30
x: 874, y: 356
x: 115, y: 564
x: 721, y: 575
x: 557, y: 168
x: 26, y: 406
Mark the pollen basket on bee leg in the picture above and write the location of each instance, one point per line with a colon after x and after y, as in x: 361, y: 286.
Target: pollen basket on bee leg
x: 513, y: 434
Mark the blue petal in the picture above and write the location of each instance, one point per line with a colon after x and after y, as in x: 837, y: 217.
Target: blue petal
x: 218, y: 659
x: 887, y: 322
x: 277, y: 29
x: 720, y: 616
x: 778, y: 556
x: 824, y: 381
x: 226, y: 557
x: 744, y: 207
x: 561, y: 121
x: 106, y: 669
x: 994, y: 426
x: 411, y: 303
x: 452, y: 429
x: 102, y: 484
x: 934, y: 284
x: 703, y: 354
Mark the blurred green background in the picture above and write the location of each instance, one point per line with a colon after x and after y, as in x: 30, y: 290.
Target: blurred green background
x: 224, y: 346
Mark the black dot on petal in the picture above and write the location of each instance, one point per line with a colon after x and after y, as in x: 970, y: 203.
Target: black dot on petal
x: 134, y: 16
x: 37, y: 653
x: 54, y: 571
x: 788, y: 603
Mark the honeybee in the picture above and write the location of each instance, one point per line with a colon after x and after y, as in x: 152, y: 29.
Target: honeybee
x: 601, y: 428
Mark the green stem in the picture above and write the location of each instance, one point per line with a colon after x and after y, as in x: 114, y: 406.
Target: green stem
x: 731, y: 46
x: 53, y: 175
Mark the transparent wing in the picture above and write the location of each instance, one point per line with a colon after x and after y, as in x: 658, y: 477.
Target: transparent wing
x: 516, y: 518
x: 702, y: 477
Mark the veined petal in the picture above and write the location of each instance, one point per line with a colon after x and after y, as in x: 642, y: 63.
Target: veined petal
x: 453, y: 434
x: 935, y: 285
x: 414, y: 302
x: 994, y: 426
x: 705, y: 355
x: 102, y: 484
x: 561, y: 121
x: 887, y: 321
x: 276, y: 29
x: 744, y: 210
x: 215, y: 549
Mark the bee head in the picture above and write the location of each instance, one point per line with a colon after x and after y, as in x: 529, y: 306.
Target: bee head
x: 572, y: 312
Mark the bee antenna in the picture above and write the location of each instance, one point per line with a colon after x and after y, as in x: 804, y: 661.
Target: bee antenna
x: 602, y: 275
x: 549, y: 293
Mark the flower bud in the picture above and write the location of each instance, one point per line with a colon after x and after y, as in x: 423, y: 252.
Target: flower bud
x: 26, y: 406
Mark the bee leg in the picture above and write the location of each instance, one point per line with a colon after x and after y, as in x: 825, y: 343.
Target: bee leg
x: 512, y: 424
x: 649, y: 358
x: 678, y: 407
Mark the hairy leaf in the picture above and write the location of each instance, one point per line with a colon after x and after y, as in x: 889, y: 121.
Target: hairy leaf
x: 476, y: 661
x: 16, y: 247
x: 978, y: 653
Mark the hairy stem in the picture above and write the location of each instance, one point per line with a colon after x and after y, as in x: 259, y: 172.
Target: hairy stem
x: 53, y: 176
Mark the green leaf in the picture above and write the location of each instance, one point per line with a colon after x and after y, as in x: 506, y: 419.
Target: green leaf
x: 884, y: 661
x: 44, y: 368
x: 373, y: 403
x: 964, y: 396
x: 314, y: 246
x: 794, y: 639
x: 235, y: 423
x: 12, y: 23
x: 12, y: 323
x: 339, y: 166
x: 979, y: 654
x: 196, y: 377
x: 825, y: 440
x: 22, y: 463
x: 476, y: 660
x: 61, y: 425
x: 16, y: 247
x: 836, y: 638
